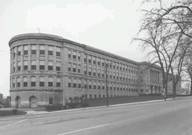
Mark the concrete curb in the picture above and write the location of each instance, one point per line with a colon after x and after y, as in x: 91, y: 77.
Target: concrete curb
x: 97, y: 107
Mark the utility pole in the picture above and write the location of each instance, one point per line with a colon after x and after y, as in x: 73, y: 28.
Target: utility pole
x: 107, y: 92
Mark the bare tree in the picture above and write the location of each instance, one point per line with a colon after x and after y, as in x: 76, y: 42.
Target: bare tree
x: 164, y: 33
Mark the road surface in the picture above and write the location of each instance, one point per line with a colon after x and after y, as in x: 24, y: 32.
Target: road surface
x: 173, y: 117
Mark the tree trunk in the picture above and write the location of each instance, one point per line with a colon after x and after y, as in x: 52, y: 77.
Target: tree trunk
x: 191, y: 86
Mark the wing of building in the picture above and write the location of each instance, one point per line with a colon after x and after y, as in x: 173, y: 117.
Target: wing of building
x: 50, y: 70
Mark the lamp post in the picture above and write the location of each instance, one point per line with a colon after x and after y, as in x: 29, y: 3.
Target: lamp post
x: 106, y: 82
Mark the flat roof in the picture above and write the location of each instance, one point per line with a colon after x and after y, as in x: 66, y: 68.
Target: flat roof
x: 61, y: 39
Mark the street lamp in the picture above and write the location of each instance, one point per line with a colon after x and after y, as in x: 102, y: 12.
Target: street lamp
x: 106, y: 82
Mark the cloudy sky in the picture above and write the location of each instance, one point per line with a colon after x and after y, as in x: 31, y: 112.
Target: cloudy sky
x: 109, y: 25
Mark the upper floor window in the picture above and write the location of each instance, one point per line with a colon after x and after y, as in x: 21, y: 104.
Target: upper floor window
x: 18, y: 84
x: 33, y: 52
x: 13, y: 55
x: 85, y: 60
x: 25, y: 84
x: 25, y: 52
x: 50, y: 83
x: 33, y: 84
x: 50, y: 67
x: 74, y: 69
x: 42, y: 52
x: 19, y: 68
x: 58, y: 54
x: 69, y: 85
x: 89, y: 61
x: 42, y: 67
x: 58, y: 84
x: 25, y: 67
x: 33, y: 67
x: 69, y: 55
x: 19, y: 53
x: 41, y: 84
x: 74, y: 56
x: 58, y: 68
x: 50, y: 52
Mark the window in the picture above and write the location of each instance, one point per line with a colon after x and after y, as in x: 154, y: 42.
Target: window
x: 74, y: 56
x: 94, y: 62
x: 79, y: 58
x: 13, y: 85
x: 58, y: 84
x: 74, y: 69
x: 50, y: 67
x: 18, y: 84
x: 25, y: 52
x: 18, y: 68
x: 98, y: 63
x: 33, y: 67
x: 42, y: 67
x: 78, y: 70
x: 79, y: 85
x: 50, y: 52
x: 50, y: 100
x: 69, y: 55
x: 89, y: 73
x: 90, y: 87
x: 50, y: 83
x: 85, y: 72
x: 13, y: 55
x: 13, y: 69
x: 69, y: 85
x: 58, y: 68
x: 18, y: 53
x: 74, y: 85
x: 25, y: 67
x: 33, y: 52
x: 58, y: 54
x: 33, y: 84
x: 24, y: 84
x: 41, y: 84
x: 42, y: 52
x: 85, y: 60
x: 89, y: 61
x: 94, y: 74
x: 69, y: 69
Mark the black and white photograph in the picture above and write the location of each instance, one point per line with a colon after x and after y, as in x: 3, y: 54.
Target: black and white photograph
x: 96, y: 67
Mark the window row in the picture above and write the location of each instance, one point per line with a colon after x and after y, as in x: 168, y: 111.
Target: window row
x: 34, y: 84
x: 34, y: 67
x: 79, y: 85
x: 34, y: 52
x: 115, y: 66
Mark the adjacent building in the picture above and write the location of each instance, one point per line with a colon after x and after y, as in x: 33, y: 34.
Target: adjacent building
x: 50, y: 70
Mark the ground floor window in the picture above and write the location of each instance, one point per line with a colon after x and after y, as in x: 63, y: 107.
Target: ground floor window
x: 50, y: 100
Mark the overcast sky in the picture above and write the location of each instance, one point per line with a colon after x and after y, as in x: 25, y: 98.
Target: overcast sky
x: 109, y: 25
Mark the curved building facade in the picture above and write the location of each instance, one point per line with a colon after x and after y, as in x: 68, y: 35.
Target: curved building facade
x: 36, y: 61
x: 50, y: 70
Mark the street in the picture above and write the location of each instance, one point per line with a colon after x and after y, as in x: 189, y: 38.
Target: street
x: 172, y: 117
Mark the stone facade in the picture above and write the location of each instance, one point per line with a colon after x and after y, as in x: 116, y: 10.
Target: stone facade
x: 50, y: 70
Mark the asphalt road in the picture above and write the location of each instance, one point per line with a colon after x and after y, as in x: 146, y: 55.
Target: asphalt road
x: 172, y: 117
